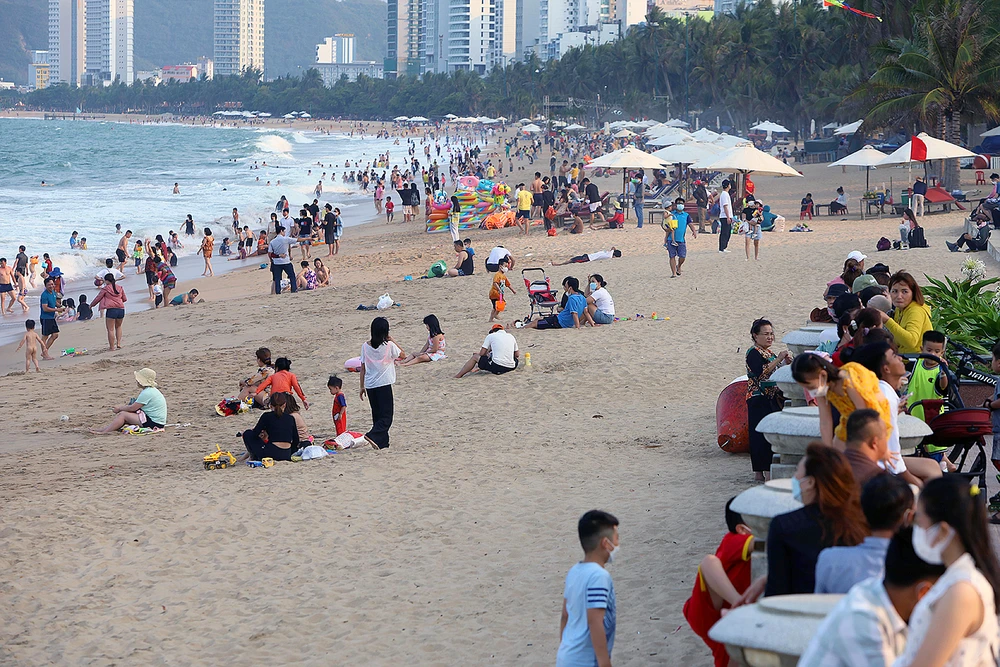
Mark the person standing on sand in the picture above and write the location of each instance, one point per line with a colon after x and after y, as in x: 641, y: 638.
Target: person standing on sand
x: 280, y: 252
x: 122, y: 252
x: 47, y: 303
x: 378, y: 374
x: 112, y: 299
x: 329, y: 229
x: 536, y: 196
x: 207, y: 246
x: 725, y: 215
x: 21, y: 262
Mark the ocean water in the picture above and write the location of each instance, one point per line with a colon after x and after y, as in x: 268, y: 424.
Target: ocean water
x: 108, y: 173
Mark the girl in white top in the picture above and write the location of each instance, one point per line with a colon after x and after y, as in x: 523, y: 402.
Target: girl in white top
x: 600, y: 305
x: 433, y: 349
x: 378, y: 373
x: 955, y: 623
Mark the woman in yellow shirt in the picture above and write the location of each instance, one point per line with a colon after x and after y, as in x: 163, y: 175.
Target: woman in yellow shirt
x: 848, y: 388
x: 911, y: 317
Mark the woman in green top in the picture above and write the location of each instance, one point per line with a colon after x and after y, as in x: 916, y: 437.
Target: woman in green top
x: 147, y: 410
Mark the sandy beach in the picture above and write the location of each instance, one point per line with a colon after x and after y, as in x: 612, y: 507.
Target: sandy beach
x: 452, y: 546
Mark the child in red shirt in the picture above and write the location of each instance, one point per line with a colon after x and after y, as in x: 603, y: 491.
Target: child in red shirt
x: 721, y: 581
x: 339, y: 403
x: 389, y: 206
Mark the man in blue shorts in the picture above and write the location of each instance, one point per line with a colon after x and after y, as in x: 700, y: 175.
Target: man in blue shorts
x: 677, y: 247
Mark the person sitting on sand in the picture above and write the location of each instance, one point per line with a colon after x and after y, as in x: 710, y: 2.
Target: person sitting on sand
x: 306, y: 278
x: 292, y: 408
x: 185, y: 299
x: 433, y: 349
x: 498, y: 355
x: 249, y: 385
x: 463, y: 261
x: 322, y: 273
x: 600, y: 305
x: 591, y: 257
x: 147, y: 410
x: 572, y: 314
x: 281, y: 430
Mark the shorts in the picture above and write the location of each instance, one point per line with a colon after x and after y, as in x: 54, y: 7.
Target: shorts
x: 486, y: 364
x: 150, y: 278
x: 549, y: 322
x: 536, y: 200
x: 461, y: 272
x: 146, y: 422
x: 603, y: 318
x: 438, y: 356
x: 6, y: 287
x: 138, y: 261
x: 114, y: 313
x: 49, y: 327
x: 755, y: 233
x: 679, y: 250
x: 579, y: 259
x: 995, y: 455
x: 492, y: 268
x: 596, y: 205
x: 522, y: 214
x: 172, y: 284
x: 120, y: 254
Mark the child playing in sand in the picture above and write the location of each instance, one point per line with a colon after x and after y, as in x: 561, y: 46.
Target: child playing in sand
x: 721, y: 581
x: 589, y: 613
x: 497, y: 288
x: 31, y: 342
x: 157, y: 289
x: 68, y: 313
x: 335, y: 385
x: 848, y: 388
x: 225, y: 250
x: 389, y: 206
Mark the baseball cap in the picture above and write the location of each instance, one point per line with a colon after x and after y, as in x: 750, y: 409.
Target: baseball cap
x: 496, y: 327
x: 863, y: 281
x: 857, y: 256
x: 836, y: 290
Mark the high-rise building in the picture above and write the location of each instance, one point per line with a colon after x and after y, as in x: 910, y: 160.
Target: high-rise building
x: 527, y: 26
x: 559, y: 16
x: 345, y: 47
x: 505, y: 32
x: 39, y: 70
x: 326, y: 52
x: 67, y: 41
x: 110, y: 42
x: 404, y: 38
x: 471, y: 35
x: 239, y: 36
x: 206, y: 67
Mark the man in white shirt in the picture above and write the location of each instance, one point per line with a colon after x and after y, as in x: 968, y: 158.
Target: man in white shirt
x: 493, y: 260
x: 279, y: 250
x: 867, y: 628
x: 725, y: 215
x: 498, y: 355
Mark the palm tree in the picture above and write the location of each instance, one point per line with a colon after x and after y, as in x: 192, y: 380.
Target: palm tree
x: 948, y: 70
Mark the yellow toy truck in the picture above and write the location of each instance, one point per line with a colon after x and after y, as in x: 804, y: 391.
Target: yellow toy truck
x: 219, y: 459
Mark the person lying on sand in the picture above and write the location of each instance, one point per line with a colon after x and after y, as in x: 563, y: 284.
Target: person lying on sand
x: 591, y: 257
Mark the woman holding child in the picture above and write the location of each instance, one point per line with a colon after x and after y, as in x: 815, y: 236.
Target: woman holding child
x: 762, y: 401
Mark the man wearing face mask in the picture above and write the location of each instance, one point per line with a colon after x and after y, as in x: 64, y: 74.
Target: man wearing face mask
x: 867, y: 628
x: 589, y: 614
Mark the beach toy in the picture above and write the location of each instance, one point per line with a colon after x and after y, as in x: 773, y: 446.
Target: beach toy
x: 64, y: 418
x: 255, y: 464
x: 731, y: 418
x: 262, y: 266
x: 353, y: 365
x: 654, y: 314
x: 219, y: 459
x: 407, y: 277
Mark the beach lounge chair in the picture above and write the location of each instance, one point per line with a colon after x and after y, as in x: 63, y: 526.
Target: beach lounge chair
x: 540, y: 294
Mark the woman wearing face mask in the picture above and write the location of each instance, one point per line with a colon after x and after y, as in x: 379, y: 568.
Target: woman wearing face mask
x: 911, y: 317
x: 848, y: 388
x: 955, y: 624
x: 831, y: 516
x: 762, y: 401
x: 600, y: 305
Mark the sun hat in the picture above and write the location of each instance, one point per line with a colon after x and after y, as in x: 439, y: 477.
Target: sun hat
x: 862, y: 282
x: 146, y: 377
x: 857, y: 256
x: 55, y: 273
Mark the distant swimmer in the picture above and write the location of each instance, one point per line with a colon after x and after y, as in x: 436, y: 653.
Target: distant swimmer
x: 177, y: 189
x: 46, y: 185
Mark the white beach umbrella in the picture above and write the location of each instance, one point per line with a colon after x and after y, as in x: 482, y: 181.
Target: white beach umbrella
x: 867, y: 157
x: 728, y: 141
x: 531, y: 128
x: 624, y: 133
x: 219, y: 113
x: 746, y: 159
x: 936, y: 149
x: 677, y: 122
x: 450, y: 116
x: 303, y: 114
x: 991, y: 133
x: 668, y: 139
x: 664, y: 130
x: 849, y: 129
x: 289, y: 115
x: 626, y: 158
x: 768, y: 126
x: 524, y: 121
x: 831, y: 126
x: 558, y: 123
x: 705, y: 134
x: 574, y: 128
x: 264, y: 115
x: 399, y: 119
x: 418, y: 119
x: 687, y: 152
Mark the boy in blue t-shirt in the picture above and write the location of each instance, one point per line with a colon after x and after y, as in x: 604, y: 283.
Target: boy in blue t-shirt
x: 587, y: 627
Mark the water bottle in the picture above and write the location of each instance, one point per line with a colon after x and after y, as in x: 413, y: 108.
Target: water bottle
x: 527, y: 359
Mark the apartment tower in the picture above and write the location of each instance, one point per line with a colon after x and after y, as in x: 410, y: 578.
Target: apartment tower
x: 239, y: 36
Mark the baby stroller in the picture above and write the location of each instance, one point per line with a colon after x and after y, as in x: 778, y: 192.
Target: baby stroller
x: 963, y: 429
x: 540, y: 294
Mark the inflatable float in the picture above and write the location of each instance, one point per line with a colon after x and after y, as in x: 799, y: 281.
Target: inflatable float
x: 731, y: 418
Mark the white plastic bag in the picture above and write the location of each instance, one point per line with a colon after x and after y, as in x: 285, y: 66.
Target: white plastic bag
x: 313, y: 452
x: 384, y: 302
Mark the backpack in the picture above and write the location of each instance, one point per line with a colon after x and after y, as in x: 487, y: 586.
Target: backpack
x: 715, y: 211
x: 883, y: 244
x: 917, y: 239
